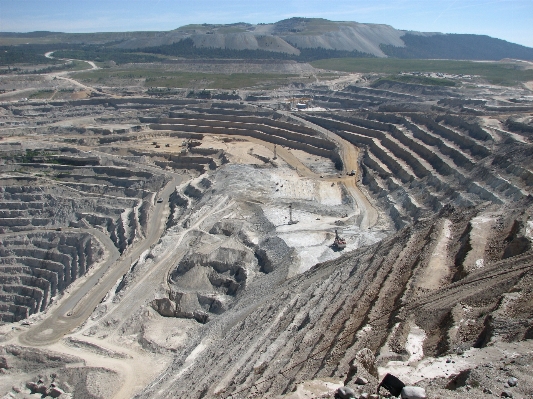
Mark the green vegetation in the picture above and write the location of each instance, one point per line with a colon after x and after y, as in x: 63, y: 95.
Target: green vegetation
x: 219, y: 28
x: 25, y: 54
x: 74, y: 65
x: 457, y: 47
x: 186, y: 49
x: 231, y: 29
x: 34, y: 53
x: 31, y: 156
x: 103, y: 54
x: 219, y: 81
x: 166, y: 79
x: 307, y: 26
x: 65, y: 40
x: 421, y: 80
x: 494, y: 72
x: 41, y: 94
x: 201, y: 27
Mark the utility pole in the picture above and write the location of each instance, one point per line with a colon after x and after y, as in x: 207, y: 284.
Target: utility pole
x: 290, y: 216
x: 275, y: 154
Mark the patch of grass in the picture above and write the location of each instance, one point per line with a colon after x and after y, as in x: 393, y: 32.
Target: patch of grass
x: 494, y: 72
x: 98, y: 54
x: 66, y: 66
x: 217, y: 81
x: 162, y: 78
x: 308, y: 26
x: 231, y: 29
x: 421, y: 80
x: 194, y: 26
x: 41, y: 94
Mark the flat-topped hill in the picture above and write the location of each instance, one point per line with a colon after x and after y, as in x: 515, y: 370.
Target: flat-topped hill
x: 294, y: 38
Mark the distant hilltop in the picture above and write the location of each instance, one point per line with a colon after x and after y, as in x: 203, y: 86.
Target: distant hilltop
x: 294, y: 35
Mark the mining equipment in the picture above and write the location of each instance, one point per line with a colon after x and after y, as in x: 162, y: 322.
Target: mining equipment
x: 290, y: 215
x: 339, y: 243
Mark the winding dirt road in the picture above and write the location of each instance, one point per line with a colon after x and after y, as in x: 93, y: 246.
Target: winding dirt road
x: 63, y: 75
x: 349, y: 155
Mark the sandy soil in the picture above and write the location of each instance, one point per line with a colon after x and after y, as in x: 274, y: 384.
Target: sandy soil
x: 438, y: 268
x: 481, y: 227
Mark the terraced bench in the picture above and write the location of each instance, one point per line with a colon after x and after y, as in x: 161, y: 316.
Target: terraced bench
x: 37, y: 266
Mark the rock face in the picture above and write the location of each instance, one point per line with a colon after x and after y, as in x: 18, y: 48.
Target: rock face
x: 36, y: 267
x: 366, y: 359
x: 348, y: 36
x: 420, y: 158
x: 51, y: 227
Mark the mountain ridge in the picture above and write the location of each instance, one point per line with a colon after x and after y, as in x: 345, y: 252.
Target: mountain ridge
x: 291, y: 36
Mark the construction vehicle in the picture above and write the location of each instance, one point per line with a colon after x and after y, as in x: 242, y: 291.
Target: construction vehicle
x: 339, y: 243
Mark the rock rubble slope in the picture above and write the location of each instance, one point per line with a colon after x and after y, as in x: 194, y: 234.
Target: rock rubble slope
x: 313, y: 325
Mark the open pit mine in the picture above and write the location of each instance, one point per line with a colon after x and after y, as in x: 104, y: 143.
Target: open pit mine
x: 302, y: 242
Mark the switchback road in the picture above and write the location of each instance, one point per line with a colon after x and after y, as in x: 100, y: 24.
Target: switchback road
x: 78, y: 305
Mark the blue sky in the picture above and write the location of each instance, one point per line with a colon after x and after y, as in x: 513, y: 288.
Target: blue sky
x: 511, y: 20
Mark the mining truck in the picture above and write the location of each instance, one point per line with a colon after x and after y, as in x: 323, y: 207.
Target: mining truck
x: 339, y: 243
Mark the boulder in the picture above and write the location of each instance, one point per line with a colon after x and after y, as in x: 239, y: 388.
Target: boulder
x: 36, y: 387
x: 512, y: 381
x: 200, y: 316
x: 413, y: 393
x: 361, y: 381
x: 165, y: 307
x: 345, y: 393
x: 506, y: 394
x: 55, y: 392
x: 32, y: 386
